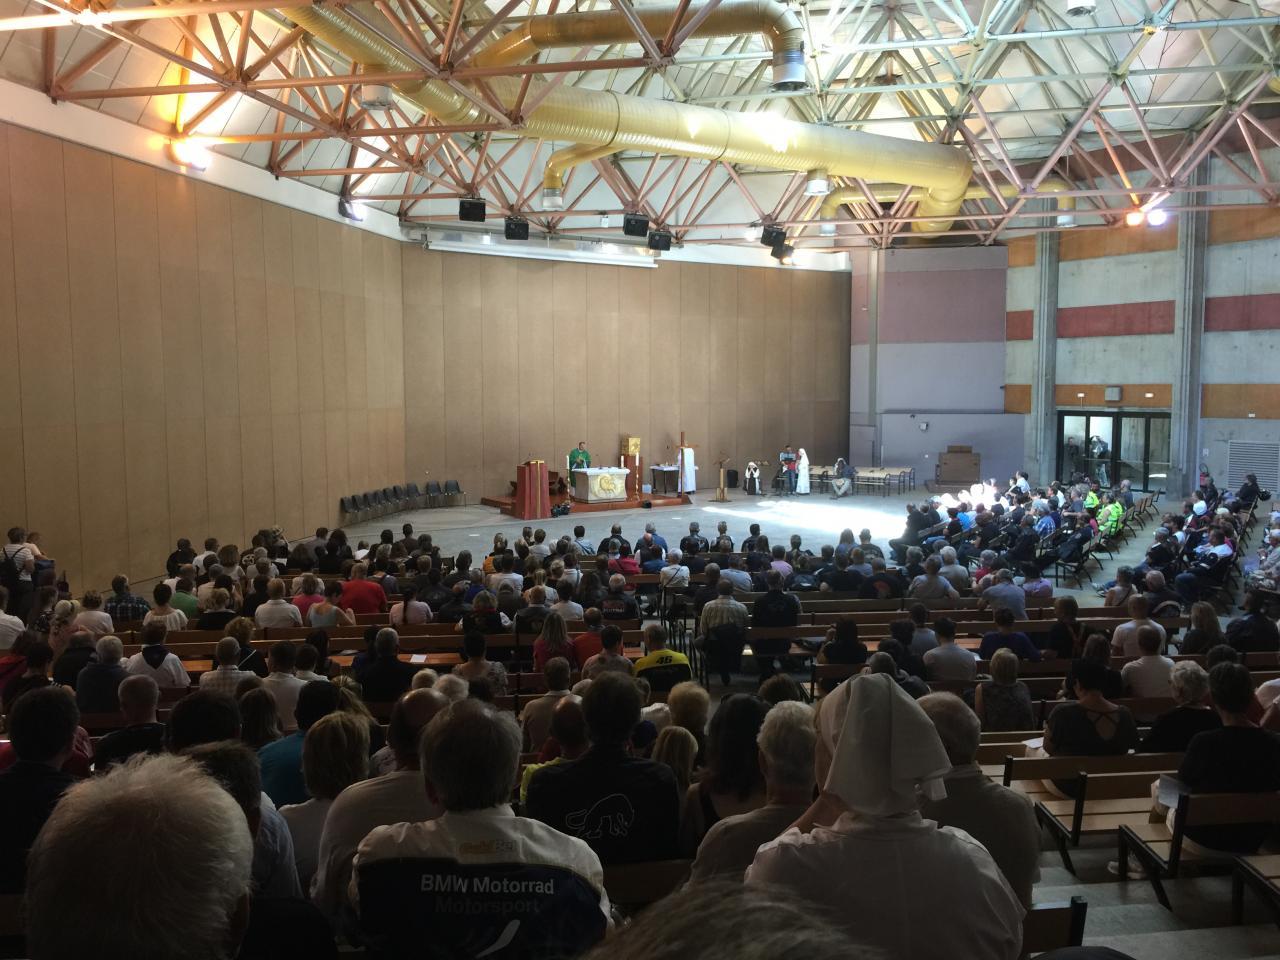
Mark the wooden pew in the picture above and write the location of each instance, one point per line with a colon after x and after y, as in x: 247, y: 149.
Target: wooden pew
x: 1261, y: 874
x: 1054, y: 926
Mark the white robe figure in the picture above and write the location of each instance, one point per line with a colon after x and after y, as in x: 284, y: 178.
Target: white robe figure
x: 903, y: 885
x: 802, y: 472
x: 688, y: 472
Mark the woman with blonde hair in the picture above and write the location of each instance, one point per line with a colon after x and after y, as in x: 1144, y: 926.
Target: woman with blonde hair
x: 335, y: 754
x: 62, y: 624
x: 677, y: 748
x: 690, y: 707
x: 1003, y: 702
x: 553, y: 641
x: 242, y: 629
x: 1205, y: 631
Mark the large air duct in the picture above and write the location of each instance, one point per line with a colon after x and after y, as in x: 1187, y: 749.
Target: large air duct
x: 604, y: 119
x: 889, y: 193
x: 780, y: 28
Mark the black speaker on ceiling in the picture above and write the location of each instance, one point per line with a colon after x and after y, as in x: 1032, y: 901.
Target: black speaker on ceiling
x: 659, y: 240
x: 635, y: 225
x: 471, y: 210
x: 516, y: 228
x: 771, y: 236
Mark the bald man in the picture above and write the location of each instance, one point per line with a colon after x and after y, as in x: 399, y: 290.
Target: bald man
x: 396, y: 797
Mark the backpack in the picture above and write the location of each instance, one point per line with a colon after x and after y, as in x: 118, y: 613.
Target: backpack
x: 10, y: 575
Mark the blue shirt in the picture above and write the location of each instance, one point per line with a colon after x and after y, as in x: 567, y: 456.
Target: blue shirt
x: 659, y: 540
x: 1019, y: 643
x: 1045, y: 525
x: 966, y: 520
x: 282, y: 770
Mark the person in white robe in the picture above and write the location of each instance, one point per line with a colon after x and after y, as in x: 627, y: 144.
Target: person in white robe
x: 901, y: 883
x: 802, y: 472
x: 688, y: 471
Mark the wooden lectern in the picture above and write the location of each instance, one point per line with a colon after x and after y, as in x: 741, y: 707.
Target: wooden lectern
x: 631, y: 460
x: 532, y: 498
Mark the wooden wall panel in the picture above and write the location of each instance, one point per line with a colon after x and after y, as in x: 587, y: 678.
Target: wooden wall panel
x: 465, y: 375
x: 500, y: 344
x: 13, y: 487
x: 1017, y: 398
x: 1240, y: 401
x: 1131, y: 395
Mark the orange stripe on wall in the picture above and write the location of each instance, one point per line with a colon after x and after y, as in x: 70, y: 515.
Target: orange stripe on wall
x: 1116, y: 242
x: 1017, y: 398
x: 1022, y: 252
x: 1236, y: 401
x: 1116, y: 319
x: 1017, y: 325
x: 1234, y: 226
x: 1131, y: 395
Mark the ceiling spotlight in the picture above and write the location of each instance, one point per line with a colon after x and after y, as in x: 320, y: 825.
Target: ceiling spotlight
x: 818, y: 184
x: 604, y: 220
x: 471, y: 209
x: 552, y: 198
x: 784, y: 253
x: 1157, y: 217
x: 752, y: 232
x: 1135, y: 218
x: 771, y: 236
x: 375, y: 96
x: 788, y: 70
x: 516, y: 228
x: 193, y: 154
x: 350, y: 209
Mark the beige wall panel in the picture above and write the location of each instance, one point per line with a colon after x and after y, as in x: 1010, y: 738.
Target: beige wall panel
x: 423, y: 362
x: 375, y: 449
x: 218, y: 348
x: 393, y: 362
x: 308, y: 325
x: 800, y: 426
x: 53, y: 495
x: 808, y: 298
x: 358, y: 442
x: 634, y: 345
x: 38, y: 204
x: 774, y: 426
x: 573, y: 368
x: 721, y: 440
x: 286, y: 468
x: 500, y: 341
x: 337, y: 477
x: 104, y: 529
x: 137, y: 266
x: 464, y: 373
x: 721, y: 364
x: 750, y: 329
x: 281, y: 330
x: 695, y: 421
x: 13, y: 490
x: 831, y: 431
x: 375, y: 335
x: 693, y: 335
x: 777, y: 335
x: 605, y: 361
x: 751, y: 444
x: 830, y: 370
x: 189, y: 481
x: 332, y: 323
x: 356, y: 374
x: 664, y: 427
x: 229, y: 476
x: 146, y: 472
x: 664, y: 332
x: 535, y: 379
x: 318, y: 510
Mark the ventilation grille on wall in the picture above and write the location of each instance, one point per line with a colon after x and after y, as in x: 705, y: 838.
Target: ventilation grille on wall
x: 1262, y: 459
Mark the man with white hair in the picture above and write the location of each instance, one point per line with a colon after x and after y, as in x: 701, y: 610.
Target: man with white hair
x: 786, y: 744
x: 955, y: 572
x: 187, y: 890
x: 394, y: 797
x: 617, y: 603
x: 1002, y: 820
x: 478, y: 879
x: 98, y: 684
x: 277, y: 611
x: 675, y: 575
x: 226, y: 676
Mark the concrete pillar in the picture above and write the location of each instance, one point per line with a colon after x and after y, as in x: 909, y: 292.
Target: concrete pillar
x: 1043, y: 452
x: 1188, y: 331
x: 864, y: 420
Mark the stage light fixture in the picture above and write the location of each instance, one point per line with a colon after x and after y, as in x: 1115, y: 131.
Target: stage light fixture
x: 817, y: 184
x: 635, y: 225
x: 771, y: 236
x: 1157, y: 217
x: 752, y: 232
x: 659, y: 240
x: 1135, y: 218
x: 193, y: 154
x: 784, y: 253
x: 349, y: 209
x: 471, y: 209
x: 515, y: 228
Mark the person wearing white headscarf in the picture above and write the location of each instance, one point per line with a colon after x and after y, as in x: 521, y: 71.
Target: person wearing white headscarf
x: 802, y: 472
x: 901, y: 883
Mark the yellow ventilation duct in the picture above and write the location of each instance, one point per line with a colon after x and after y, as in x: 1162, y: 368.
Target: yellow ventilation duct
x: 616, y: 122
x: 889, y: 193
x: 780, y: 28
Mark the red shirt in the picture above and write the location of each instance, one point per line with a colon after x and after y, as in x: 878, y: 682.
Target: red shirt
x: 624, y: 565
x: 305, y: 601
x: 363, y: 596
x: 587, y: 645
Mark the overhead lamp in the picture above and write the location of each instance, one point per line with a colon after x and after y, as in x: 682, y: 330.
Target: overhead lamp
x: 788, y: 70
x: 660, y: 240
x: 784, y: 253
x: 753, y: 231
x: 604, y: 220
x: 190, y: 153
x: 817, y: 184
x: 471, y: 209
x: 350, y: 209
x: 376, y: 96
x: 515, y: 228
x: 635, y: 225
x: 1156, y: 217
x: 771, y: 236
x: 1135, y: 218
x: 827, y: 228
x: 552, y: 198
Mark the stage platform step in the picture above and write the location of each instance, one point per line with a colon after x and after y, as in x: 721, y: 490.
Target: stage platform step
x: 507, y: 504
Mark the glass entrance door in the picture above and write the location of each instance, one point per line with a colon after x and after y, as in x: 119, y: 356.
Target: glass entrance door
x: 1110, y: 447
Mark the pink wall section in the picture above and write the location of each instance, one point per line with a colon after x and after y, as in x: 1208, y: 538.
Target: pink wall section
x: 949, y: 306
